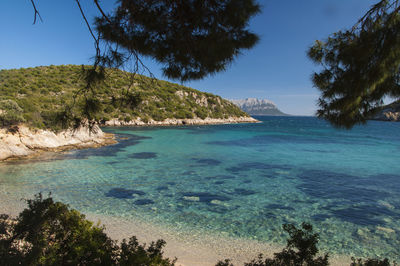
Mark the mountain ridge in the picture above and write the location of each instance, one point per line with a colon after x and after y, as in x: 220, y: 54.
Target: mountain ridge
x: 255, y: 106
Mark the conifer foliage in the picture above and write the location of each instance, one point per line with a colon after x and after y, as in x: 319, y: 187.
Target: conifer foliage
x: 190, y: 38
x: 360, y: 66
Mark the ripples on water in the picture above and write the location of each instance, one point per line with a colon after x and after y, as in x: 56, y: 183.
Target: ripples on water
x: 238, y: 180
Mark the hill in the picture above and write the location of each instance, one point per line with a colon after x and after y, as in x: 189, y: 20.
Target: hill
x: 255, y: 106
x: 390, y: 112
x: 41, y: 94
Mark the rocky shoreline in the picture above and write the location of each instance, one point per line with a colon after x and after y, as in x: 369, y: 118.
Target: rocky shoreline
x: 21, y: 141
x: 389, y: 113
x: 177, y: 122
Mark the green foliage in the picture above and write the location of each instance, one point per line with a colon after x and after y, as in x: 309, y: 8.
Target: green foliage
x: 370, y: 262
x: 119, y: 95
x: 49, y: 233
x: 301, y: 249
x: 191, y: 39
x: 10, y: 113
x: 360, y: 66
x: 132, y: 253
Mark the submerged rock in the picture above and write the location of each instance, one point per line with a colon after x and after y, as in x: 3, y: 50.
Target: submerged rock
x: 207, y: 161
x: 244, y: 192
x: 204, y: 196
x: 143, y: 155
x: 120, y: 193
x: 123, y: 193
x: 191, y: 198
x: 385, y: 229
x: 143, y: 202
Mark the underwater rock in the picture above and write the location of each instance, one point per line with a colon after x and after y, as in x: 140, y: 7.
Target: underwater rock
x: 143, y: 202
x: 386, y: 204
x: 244, y: 192
x: 120, y: 193
x: 205, y: 196
x: 279, y: 207
x: 385, y: 229
x: 207, y: 161
x: 138, y: 192
x: 191, y: 198
x: 143, y: 155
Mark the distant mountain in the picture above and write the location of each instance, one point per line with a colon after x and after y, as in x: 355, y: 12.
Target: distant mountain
x: 254, y: 106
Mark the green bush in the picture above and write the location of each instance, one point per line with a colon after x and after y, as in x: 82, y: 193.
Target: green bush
x: 49, y: 233
x: 301, y: 250
x: 370, y: 262
x: 10, y: 113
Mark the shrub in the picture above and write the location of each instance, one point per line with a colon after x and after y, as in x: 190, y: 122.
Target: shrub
x: 301, y: 249
x: 49, y: 233
x: 370, y: 262
x: 10, y: 113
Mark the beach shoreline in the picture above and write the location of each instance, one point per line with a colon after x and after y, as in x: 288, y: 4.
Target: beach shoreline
x: 190, y: 248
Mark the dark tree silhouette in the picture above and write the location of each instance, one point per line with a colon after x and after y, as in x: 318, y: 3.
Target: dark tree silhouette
x: 360, y: 66
x: 189, y: 38
x: 49, y: 233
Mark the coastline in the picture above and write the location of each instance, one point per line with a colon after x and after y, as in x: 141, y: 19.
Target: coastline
x: 179, y: 122
x: 23, y: 142
x: 191, y: 248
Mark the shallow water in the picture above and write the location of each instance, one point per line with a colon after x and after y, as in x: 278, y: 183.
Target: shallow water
x: 241, y: 181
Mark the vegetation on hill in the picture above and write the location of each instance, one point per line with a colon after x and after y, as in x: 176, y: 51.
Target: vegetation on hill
x: 50, y: 233
x: 51, y: 97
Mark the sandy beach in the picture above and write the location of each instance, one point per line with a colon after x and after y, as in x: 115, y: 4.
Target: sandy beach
x: 191, y: 249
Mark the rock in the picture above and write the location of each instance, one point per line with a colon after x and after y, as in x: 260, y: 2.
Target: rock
x: 386, y: 204
x: 363, y: 233
x: 25, y: 141
x: 177, y: 122
x: 218, y: 202
x: 385, y: 229
x: 191, y: 198
x: 255, y: 106
x: 143, y: 202
x: 390, y: 112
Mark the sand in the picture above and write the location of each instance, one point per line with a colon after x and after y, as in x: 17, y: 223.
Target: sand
x: 191, y: 249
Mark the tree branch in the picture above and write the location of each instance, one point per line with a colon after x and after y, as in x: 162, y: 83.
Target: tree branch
x: 101, y: 11
x: 37, y: 14
x: 87, y: 23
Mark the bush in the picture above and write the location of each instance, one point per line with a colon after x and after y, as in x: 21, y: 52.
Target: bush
x: 49, y: 233
x: 10, y: 113
x: 301, y: 249
x: 370, y: 262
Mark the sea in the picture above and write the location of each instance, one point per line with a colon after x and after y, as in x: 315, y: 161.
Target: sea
x: 236, y: 180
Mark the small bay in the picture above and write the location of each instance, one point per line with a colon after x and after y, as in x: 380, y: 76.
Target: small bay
x: 242, y: 181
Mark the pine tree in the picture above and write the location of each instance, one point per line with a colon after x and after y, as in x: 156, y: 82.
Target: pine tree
x: 360, y: 66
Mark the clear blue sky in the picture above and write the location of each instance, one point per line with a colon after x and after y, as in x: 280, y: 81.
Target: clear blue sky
x: 276, y: 69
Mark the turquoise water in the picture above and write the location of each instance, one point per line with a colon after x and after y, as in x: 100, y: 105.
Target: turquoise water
x: 241, y: 180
